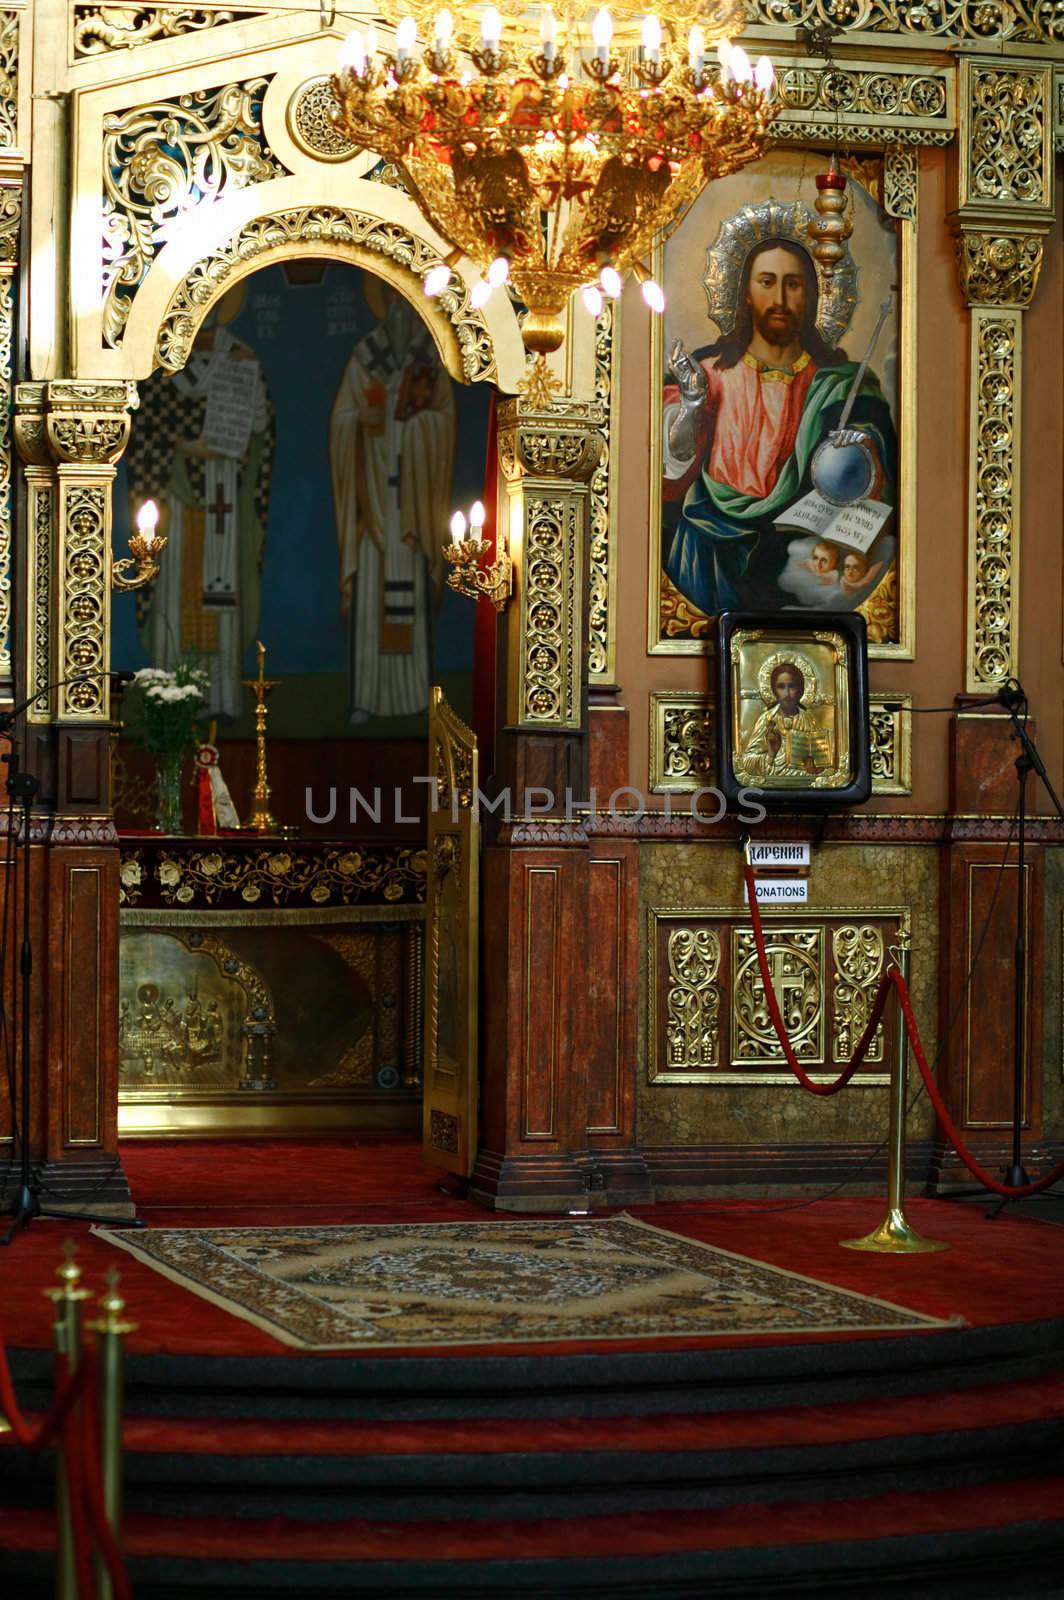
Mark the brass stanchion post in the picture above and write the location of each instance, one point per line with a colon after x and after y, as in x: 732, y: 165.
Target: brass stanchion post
x: 110, y: 1330
x: 895, y: 1235
x: 67, y: 1326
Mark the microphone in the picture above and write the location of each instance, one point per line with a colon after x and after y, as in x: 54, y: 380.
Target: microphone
x: 122, y: 675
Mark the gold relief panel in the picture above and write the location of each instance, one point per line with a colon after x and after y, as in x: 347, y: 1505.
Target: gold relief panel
x: 944, y: 22
x: 162, y: 158
x: 100, y: 29
x: 891, y: 751
x: 1006, y: 138
x: 10, y: 22
x: 681, y: 742
x: 997, y: 268
x: 85, y: 599
x: 993, y: 497
x: 796, y: 965
x: 708, y: 1019
x: 602, y: 596
x: 879, y: 104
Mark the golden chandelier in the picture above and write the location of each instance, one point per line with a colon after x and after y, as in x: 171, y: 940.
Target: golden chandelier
x: 548, y: 159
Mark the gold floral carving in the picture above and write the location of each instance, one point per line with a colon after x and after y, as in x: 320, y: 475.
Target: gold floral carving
x: 692, y: 1000
x: 796, y: 964
x: 550, y: 677
x: 162, y: 160
x: 680, y: 617
x: 879, y: 105
x: 85, y: 577
x: 41, y: 524
x: 329, y: 230
x: 7, y: 311
x: 443, y: 1132
x: 1021, y: 21
x: 202, y: 877
x: 880, y: 610
x: 9, y: 65
x: 901, y: 172
x: 891, y: 744
x: 1006, y: 136
x: 601, y: 643
x: 681, y: 741
x: 100, y: 29
x: 993, y: 498
x: 999, y: 269
x: 87, y: 424
x: 858, y: 952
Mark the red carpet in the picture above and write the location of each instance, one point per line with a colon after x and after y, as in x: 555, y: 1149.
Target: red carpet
x: 828, y: 1465
x: 1006, y: 1270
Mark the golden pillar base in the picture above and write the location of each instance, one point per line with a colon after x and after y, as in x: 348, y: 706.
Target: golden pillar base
x: 895, y: 1237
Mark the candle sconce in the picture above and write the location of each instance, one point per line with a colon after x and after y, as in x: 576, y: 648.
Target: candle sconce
x: 145, y: 546
x: 467, y: 576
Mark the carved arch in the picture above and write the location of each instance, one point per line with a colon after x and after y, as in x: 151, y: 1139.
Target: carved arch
x: 362, y: 223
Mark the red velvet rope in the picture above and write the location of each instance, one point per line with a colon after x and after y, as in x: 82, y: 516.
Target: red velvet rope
x: 79, y: 1437
x: 943, y: 1115
x: 878, y: 1006
x: 36, y: 1437
x: 891, y: 977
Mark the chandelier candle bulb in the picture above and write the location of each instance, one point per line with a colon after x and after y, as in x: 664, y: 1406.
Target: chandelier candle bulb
x: 739, y: 65
x: 651, y: 34
x: 491, y: 29
x: 654, y: 295
x: 592, y: 298
x: 764, y: 74
x: 477, y: 519
x: 696, y: 50
x: 480, y: 294
x: 436, y: 279
x: 458, y: 527
x: 353, y: 53
x: 601, y: 34
x: 498, y: 272
x: 548, y: 33
x: 405, y: 39
x: 443, y: 29
x: 148, y: 521
x: 610, y: 280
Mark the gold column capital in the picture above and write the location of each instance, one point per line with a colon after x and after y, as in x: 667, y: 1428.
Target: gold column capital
x: 999, y: 266
x: 561, y: 441
x: 88, y: 423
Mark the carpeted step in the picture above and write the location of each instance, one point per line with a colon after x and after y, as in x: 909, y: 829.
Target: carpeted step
x: 573, y: 1468
x: 1005, y: 1536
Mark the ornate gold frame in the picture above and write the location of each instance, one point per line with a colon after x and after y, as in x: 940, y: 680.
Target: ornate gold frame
x: 900, y: 202
x: 815, y: 916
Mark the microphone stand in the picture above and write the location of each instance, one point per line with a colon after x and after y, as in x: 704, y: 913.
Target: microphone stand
x: 1014, y: 699
x: 22, y: 787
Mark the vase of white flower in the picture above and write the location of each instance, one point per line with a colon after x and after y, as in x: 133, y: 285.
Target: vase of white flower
x: 164, y: 716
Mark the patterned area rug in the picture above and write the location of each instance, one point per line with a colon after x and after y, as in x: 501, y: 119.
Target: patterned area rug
x: 500, y: 1282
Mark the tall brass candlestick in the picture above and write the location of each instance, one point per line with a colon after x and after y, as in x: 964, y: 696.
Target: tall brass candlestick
x: 261, y: 819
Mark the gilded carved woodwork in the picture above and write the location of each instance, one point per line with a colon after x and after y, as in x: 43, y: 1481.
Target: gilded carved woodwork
x: 890, y: 744
x: 901, y: 178
x: 692, y: 1000
x: 548, y: 458
x: 1005, y: 143
x: 940, y: 21
x: 309, y: 119
x: 881, y: 104
x: 377, y: 875
x: 162, y: 159
x: 356, y: 236
x: 708, y: 1019
x: 31, y: 439
x: 85, y: 578
x: 602, y: 586
x: 10, y: 218
x: 997, y: 268
x: 796, y: 964
x: 9, y: 70
x: 993, y: 501
x: 100, y: 29
x: 681, y: 741
x: 859, y: 956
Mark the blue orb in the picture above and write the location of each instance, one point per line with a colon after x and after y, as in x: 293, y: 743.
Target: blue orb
x: 843, y: 472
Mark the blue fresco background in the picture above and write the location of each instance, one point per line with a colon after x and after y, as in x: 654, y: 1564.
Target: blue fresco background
x: 303, y: 335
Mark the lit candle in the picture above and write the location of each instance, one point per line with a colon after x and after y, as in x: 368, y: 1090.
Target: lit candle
x: 739, y: 62
x: 443, y: 30
x: 696, y: 50
x: 654, y: 295
x: 436, y: 279
x: 548, y: 33
x: 602, y: 33
x: 764, y: 74
x: 724, y: 55
x: 498, y: 272
x: 610, y: 279
x: 652, y: 40
x: 477, y: 518
x: 491, y: 29
x: 353, y: 53
x: 405, y: 38
x: 592, y: 298
x: 148, y: 521
x: 458, y: 526
x: 371, y: 44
